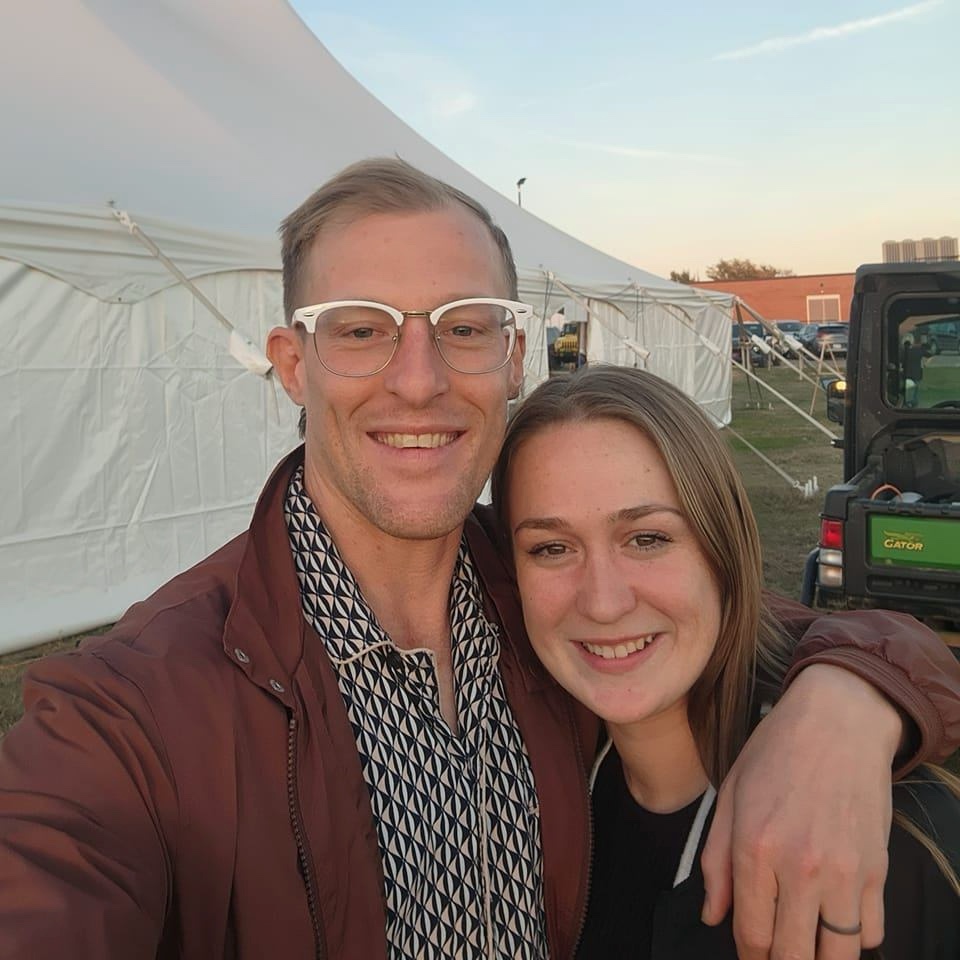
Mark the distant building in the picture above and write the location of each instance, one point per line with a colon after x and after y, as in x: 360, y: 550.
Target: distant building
x: 929, y: 248
x: 820, y: 298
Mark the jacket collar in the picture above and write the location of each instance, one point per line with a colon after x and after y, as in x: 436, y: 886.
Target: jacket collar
x: 265, y: 631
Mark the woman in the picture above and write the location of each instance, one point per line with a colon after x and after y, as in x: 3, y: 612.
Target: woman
x: 640, y: 573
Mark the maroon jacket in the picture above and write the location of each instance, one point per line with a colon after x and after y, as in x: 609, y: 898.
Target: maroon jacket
x: 188, y: 785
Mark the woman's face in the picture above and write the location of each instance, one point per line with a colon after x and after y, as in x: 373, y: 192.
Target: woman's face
x: 618, y: 599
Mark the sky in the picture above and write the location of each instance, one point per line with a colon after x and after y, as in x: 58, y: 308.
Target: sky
x: 675, y: 134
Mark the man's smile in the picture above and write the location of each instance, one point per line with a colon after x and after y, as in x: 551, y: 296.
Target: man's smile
x: 422, y: 440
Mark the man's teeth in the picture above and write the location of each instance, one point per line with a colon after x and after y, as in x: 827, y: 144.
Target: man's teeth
x: 428, y: 440
x: 619, y: 651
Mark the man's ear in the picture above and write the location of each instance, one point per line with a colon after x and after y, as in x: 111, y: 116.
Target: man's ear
x: 516, y: 365
x: 285, y: 350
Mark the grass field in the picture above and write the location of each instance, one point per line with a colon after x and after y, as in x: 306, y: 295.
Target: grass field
x: 789, y: 524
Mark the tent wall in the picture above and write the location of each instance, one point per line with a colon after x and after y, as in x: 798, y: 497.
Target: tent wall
x: 133, y: 443
x: 677, y: 352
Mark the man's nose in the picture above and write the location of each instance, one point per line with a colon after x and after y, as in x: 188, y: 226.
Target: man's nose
x: 417, y: 372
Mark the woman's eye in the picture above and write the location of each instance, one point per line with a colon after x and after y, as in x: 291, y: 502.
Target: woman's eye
x: 548, y: 550
x: 649, y: 541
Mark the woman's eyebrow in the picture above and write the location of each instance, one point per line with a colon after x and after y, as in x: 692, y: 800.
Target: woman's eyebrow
x: 542, y: 523
x: 643, y: 510
x: 626, y: 514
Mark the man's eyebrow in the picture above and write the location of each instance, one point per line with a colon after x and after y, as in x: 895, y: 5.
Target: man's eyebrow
x: 626, y: 514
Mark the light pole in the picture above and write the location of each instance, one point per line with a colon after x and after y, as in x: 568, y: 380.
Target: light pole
x: 520, y: 183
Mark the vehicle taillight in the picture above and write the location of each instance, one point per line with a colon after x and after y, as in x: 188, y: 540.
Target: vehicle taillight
x: 831, y: 534
x: 830, y: 561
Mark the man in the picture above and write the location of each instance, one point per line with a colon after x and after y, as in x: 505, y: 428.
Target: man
x: 331, y: 737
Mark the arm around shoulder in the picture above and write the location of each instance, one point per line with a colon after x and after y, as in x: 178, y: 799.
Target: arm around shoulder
x: 893, y: 652
x: 86, y: 802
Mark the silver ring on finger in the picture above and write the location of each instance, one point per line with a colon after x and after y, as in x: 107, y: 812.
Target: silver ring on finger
x: 844, y: 931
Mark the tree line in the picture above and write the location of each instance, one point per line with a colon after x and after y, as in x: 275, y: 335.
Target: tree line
x: 734, y: 269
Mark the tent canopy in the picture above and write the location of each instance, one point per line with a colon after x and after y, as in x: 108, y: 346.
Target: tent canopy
x: 135, y: 443
x: 216, y: 117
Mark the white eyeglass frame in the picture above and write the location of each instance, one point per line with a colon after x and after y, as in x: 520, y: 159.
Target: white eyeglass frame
x: 307, y: 317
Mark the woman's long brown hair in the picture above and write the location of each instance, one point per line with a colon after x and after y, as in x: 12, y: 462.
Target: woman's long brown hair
x: 715, y: 505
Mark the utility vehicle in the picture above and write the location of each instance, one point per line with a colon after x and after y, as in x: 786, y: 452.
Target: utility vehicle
x: 890, y: 533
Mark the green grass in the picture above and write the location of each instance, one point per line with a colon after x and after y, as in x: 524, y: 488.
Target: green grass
x: 789, y: 524
x: 12, y: 668
x: 938, y: 384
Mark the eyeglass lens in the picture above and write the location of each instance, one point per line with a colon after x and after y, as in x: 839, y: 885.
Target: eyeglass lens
x: 357, y: 341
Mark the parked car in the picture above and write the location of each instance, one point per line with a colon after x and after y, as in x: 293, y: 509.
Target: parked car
x: 744, y: 350
x: 793, y: 327
x: 940, y: 336
x: 785, y: 328
x: 831, y: 338
x: 807, y: 333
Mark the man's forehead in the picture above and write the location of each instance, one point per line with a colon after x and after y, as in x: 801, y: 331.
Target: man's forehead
x: 449, y: 248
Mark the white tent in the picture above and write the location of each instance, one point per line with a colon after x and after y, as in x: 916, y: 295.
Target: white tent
x: 135, y: 434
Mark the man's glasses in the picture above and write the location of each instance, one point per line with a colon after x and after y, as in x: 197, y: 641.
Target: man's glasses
x: 358, y: 338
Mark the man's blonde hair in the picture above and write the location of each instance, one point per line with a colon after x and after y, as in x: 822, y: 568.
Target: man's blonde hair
x: 378, y: 185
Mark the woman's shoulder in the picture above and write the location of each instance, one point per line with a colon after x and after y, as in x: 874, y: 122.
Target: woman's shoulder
x: 932, y: 806
x: 921, y: 903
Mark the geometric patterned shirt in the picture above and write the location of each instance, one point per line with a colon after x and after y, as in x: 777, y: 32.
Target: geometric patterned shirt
x: 457, y: 815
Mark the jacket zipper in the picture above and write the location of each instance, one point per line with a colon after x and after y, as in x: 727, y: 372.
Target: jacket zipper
x: 303, y: 854
x: 586, y: 897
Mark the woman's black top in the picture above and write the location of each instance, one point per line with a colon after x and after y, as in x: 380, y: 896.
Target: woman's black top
x: 635, y: 858
x: 635, y: 911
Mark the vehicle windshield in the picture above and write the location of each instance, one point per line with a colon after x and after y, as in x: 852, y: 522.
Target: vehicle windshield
x: 922, y: 350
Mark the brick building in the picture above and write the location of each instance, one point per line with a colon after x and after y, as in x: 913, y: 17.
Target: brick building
x: 815, y: 299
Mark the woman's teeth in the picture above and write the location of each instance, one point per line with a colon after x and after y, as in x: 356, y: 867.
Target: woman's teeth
x: 618, y: 652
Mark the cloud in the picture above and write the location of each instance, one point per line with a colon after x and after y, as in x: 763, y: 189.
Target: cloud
x: 452, y: 105
x: 778, y: 44
x: 642, y: 153
x: 411, y: 79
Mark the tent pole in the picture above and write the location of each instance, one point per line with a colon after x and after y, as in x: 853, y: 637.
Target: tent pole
x: 713, y: 347
x: 753, y: 313
x: 788, y: 402
x: 241, y: 347
x: 585, y: 303
x: 808, y: 489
